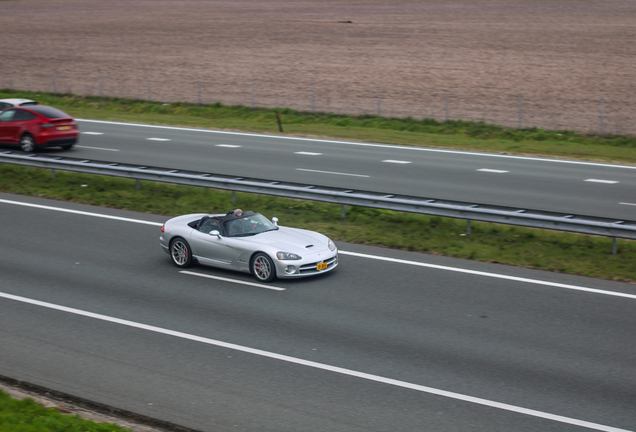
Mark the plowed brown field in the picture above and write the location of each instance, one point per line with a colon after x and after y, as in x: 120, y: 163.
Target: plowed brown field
x: 562, y: 56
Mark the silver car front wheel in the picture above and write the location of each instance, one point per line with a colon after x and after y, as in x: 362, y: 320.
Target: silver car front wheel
x: 181, y: 253
x: 263, y: 268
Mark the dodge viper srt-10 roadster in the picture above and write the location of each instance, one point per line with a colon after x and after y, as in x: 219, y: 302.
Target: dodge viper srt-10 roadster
x: 247, y: 242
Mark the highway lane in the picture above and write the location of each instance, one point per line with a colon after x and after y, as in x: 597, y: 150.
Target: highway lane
x: 535, y: 183
x: 541, y: 347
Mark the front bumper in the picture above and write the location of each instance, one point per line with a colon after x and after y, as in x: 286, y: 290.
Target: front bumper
x: 308, y: 266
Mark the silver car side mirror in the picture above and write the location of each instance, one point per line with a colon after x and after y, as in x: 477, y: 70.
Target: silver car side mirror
x: 275, y: 220
x: 215, y: 233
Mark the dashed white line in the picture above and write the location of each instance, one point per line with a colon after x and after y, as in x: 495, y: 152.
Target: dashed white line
x: 601, y: 181
x: 232, y: 280
x: 308, y: 153
x: 397, y: 161
x: 632, y: 204
x: 228, y: 145
x: 96, y: 148
x: 492, y: 170
x: 93, y: 133
x: 320, y: 366
x: 331, y: 172
x: 158, y: 139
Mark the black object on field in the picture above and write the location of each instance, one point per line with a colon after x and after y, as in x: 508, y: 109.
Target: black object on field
x: 280, y: 125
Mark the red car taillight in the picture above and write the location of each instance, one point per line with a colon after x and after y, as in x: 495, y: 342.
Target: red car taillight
x: 163, y: 228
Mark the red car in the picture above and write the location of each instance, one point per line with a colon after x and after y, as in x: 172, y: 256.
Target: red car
x: 37, y: 126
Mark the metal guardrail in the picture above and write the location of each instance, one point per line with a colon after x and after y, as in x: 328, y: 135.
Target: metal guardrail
x: 431, y: 206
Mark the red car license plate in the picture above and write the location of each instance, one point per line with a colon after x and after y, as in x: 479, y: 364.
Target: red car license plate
x: 63, y: 127
x: 321, y: 266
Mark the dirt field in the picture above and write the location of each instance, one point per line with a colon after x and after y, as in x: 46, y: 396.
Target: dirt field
x: 561, y: 56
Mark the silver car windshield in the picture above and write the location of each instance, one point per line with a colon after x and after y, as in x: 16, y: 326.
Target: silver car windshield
x: 248, y: 226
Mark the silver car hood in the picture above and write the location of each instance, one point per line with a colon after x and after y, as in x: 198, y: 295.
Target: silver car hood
x: 293, y: 240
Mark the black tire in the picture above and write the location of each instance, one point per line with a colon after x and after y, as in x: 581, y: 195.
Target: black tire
x: 181, y: 253
x: 27, y: 143
x: 263, y: 268
x: 67, y: 147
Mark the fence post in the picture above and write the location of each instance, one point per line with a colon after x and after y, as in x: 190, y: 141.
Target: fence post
x: 379, y: 102
x: 54, y: 84
x: 602, y: 117
x: 199, y: 90
x: 520, y: 103
x: 101, y: 85
x: 313, y: 98
x: 10, y: 80
x: 253, y: 105
x: 445, y: 106
x: 149, y: 89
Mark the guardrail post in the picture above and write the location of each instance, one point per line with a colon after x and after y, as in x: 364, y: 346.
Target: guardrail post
x: 137, y: 184
x: 614, y: 246
x: 468, y: 227
x: 233, y: 197
x: 343, y: 212
x: 53, y: 174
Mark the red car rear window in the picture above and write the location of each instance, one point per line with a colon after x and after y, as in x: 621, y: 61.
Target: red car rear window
x: 48, y: 111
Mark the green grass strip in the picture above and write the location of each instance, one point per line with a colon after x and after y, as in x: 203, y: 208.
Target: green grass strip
x: 26, y: 415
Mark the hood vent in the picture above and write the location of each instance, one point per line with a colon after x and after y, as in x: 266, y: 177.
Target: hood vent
x: 309, y: 246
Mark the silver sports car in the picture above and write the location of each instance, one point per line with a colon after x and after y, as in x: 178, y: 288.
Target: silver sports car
x: 247, y: 242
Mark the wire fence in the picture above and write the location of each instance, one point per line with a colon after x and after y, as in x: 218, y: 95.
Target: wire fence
x: 514, y: 110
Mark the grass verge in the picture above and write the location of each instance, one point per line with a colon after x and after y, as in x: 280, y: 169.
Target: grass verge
x: 26, y: 415
x: 518, y: 246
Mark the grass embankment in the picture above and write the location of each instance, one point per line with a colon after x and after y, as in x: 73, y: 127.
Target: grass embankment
x: 539, y: 249
x: 28, y: 416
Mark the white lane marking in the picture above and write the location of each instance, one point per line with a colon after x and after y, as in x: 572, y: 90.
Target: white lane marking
x: 79, y: 212
x: 492, y: 275
x: 227, y: 145
x: 233, y: 280
x: 389, y: 146
x: 632, y: 204
x: 158, y: 139
x: 601, y: 181
x: 492, y: 170
x: 397, y: 161
x: 330, y: 172
x: 93, y: 133
x: 360, y: 255
x: 96, y: 148
x: 321, y: 366
x: 308, y: 153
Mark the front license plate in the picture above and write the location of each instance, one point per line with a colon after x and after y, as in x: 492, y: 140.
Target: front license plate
x: 63, y: 127
x: 321, y: 266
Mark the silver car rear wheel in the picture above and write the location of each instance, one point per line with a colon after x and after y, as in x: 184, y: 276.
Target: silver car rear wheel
x: 263, y: 268
x: 180, y: 253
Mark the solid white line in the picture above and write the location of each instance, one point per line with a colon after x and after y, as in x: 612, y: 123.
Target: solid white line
x: 492, y: 275
x: 601, y: 181
x: 397, y: 161
x: 93, y: 133
x: 96, y: 148
x: 308, y: 153
x: 228, y: 145
x: 329, y: 172
x: 158, y: 139
x: 360, y: 255
x: 397, y: 147
x: 492, y: 170
x: 321, y: 366
x: 233, y: 280
x: 79, y: 212
x: 632, y: 204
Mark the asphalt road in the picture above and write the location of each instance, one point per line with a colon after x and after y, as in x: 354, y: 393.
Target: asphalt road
x: 594, y: 189
x: 390, y: 341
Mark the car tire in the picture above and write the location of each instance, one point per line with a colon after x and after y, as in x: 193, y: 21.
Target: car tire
x: 67, y: 147
x: 263, y: 268
x: 27, y: 143
x: 181, y: 253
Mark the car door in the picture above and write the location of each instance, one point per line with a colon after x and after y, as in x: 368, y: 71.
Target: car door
x: 206, y: 246
x: 9, y: 128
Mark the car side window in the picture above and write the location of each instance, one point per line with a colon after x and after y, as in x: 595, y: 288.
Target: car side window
x: 7, y: 115
x: 210, y: 225
x: 21, y: 115
x: 4, y: 105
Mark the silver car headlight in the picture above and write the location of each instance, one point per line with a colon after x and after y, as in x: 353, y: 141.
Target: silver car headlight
x: 287, y: 256
x: 332, y: 245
